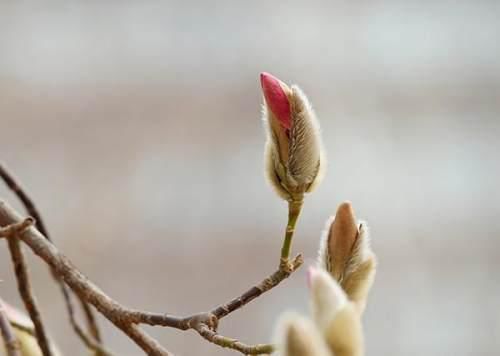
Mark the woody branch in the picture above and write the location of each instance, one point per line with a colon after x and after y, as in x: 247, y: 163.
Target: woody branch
x: 127, y: 319
x: 92, y: 341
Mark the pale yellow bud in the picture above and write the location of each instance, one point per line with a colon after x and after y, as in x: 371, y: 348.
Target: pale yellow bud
x: 298, y: 336
x: 327, y: 297
x: 344, y: 335
x: 27, y: 344
x: 336, y: 316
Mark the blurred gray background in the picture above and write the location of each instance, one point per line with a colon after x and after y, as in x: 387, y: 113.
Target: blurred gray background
x: 136, y: 128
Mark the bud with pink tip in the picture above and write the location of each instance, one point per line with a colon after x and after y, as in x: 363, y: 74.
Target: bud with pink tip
x: 294, y: 159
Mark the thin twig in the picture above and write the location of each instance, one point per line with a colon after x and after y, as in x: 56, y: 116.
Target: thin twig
x: 28, y: 204
x: 25, y: 290
x: 15, y: 229
x: 234, y: 344
x: 146, y: 342
x: 220, y: 311
x: 91, y: 321
x: 270, y: 282
x: 127, y: 319
x: 11, y: 343
x: 31, y: 209
x: 86, y: 339
x: 79, y: 283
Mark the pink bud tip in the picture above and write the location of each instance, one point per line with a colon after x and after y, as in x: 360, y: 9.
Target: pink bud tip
x: 312, y: 272
x: 276, y: 98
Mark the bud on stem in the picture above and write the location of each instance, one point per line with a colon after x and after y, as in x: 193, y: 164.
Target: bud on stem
x: 294, y: 159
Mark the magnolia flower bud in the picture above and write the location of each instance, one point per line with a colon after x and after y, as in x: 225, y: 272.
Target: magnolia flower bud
x: 298, y: 336
x: 345, y: 253
x: 294, y: 159
x: 335, y: 316
x: 327, y: 297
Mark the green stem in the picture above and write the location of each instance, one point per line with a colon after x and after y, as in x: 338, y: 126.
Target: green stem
x: 294, y: 207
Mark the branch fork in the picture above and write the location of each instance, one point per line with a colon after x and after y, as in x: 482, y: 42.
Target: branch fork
x: 129, y: 320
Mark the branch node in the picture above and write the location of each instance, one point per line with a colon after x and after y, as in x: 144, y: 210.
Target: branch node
x: 16, y: 228
x: 203, y: 319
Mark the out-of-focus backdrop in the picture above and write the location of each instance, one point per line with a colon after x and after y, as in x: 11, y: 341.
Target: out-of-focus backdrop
x: 136, y: 128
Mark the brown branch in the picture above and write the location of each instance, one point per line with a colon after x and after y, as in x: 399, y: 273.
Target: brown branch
x: 146, y: 342
x: 283, y: 272
x: 206, y: 323
x: 31, y: 209
x: 28, y: 204
x: 128, y: 319
x: 88, y: 341
x: 11, y: 343
x: 91, y: 321
x: 26, y: 292
x: 29, y: 330
x: 88, y: 291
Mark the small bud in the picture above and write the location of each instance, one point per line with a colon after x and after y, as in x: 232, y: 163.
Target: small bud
x: 345, y: 253
x: 294, y: 161
x: 327, y: 297
x: 342, y: 235
x: 298, y: 336
x: 335, y: 316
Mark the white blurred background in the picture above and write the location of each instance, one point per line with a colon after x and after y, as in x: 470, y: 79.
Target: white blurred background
x: 136, y: 128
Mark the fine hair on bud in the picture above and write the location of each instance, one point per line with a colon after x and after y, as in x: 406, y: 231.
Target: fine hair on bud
x: 346, y: 254
x: 341, y: 237
x: 294, y: 157
x: 361, y: 269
